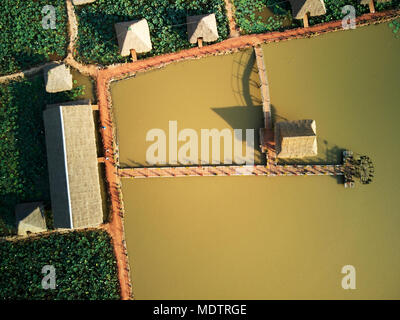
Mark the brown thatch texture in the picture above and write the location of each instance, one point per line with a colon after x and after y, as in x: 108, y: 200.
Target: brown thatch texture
x: 57, y: 78
x: 202, y: 26
x: 296, y: 139
x: 73, y: 170
x: 312, y: 7
x: 30, y: 217
x: 133, y: 35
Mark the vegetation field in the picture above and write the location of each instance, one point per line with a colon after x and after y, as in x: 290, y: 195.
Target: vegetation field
x: 23, y: 161
x: 24, y: 42
x: 258, y: 16
x: 167, y: 22
x: 84, y: 263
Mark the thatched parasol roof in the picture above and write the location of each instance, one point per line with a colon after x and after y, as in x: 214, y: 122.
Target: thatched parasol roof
x: 202, y: 26
x: 57, y: 78
x: 30, y: 217
x: 296, y: 139
x: 133, y: 35
x: 301, y: 7
x: 73, y: 168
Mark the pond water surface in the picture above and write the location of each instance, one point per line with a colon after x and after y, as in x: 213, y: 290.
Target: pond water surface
x: 278, y: 237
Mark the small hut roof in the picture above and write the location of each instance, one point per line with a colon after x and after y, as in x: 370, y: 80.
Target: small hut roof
x: 57, y: 78
x: 73, y: 167
x: 202, y: 26
x: 301, y: 7
x: 133, y: 35
x: 80, y: 2
x: 30, y: 217
x: 296, y: 139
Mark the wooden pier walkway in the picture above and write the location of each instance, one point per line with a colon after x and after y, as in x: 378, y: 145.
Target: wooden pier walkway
x: 262, y: 73
x: 256, y: 170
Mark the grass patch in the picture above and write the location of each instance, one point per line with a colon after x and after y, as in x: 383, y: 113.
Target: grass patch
x: 84, y: 263
x: 167, y: 22
x: 24, y: 42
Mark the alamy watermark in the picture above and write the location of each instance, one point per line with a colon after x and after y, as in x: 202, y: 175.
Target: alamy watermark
x: 49, y: 280
x: 49, y: 20
x: 349, y: 280
x: 188, y: 153
x: 349, y: 20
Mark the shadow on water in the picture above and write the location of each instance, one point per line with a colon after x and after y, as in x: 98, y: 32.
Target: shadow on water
x: 241, y: 83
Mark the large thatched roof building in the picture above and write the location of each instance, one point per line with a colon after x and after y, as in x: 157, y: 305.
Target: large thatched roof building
x: 301, y: 8
x: 133, y: 35
x: 73, y: 167
x: 296, y: 139
x: 30, y: 218
x: 202, y: 27
x: 57, y: 78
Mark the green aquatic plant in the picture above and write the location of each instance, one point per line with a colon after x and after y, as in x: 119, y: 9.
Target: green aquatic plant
x: 395, y: 26
x: 249, y: 13
x: 97, y: 42
x: 24, y: 42
x: 84, y: 264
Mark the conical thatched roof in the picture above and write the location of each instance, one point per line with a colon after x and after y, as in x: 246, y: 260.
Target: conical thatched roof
x: 80, y: 2
x: 301, y: 7
x: 57, y: 78
x: 296, y: 139
x: 30, y: 217
x: 73, y: 166
x: 133, y: 35
x: 202, y: 26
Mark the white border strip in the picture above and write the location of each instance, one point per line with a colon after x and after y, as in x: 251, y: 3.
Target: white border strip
x: 66, y: 167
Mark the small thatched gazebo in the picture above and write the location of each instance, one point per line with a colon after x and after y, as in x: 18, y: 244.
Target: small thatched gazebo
x: 296, y: 139
x: 80, y: 2
x: 371, y: 4
x: 57, y: 78
x: 302, y: 9
x: 30, y: 218
x: 202, y: 28
x: 133, y: 37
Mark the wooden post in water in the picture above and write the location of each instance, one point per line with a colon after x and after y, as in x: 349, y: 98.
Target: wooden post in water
x: 200, y: 42
x: 305, y: 21
x: 133, y: 55
x: 371, y: 6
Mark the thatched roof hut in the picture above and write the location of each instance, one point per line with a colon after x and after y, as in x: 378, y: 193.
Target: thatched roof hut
x: 202, y: 27
x: 57, y: 78
x: 80, y: 2
x: 30, y: 218
x: 296, y: 139
x: 133, y: 35
x: 73, y: 167
x: 302, y: 8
